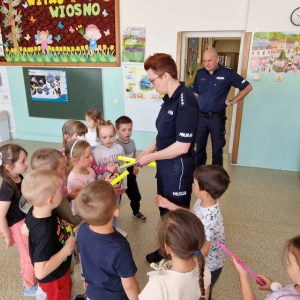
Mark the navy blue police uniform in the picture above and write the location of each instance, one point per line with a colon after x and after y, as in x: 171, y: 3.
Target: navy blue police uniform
x: 177, y: 122
x: 213, y: 90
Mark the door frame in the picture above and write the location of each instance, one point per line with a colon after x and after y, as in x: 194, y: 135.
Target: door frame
x: 245, y: 45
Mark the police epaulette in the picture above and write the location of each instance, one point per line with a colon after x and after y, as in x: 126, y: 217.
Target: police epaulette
x: 182, y: 99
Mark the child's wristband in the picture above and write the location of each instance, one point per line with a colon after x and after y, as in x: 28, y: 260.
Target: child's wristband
x: 275, y: 286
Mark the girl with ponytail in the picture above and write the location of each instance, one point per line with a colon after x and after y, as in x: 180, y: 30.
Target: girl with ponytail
x: 180, y: 236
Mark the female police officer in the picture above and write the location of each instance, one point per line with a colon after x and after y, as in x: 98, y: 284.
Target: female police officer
x: 176, y: 125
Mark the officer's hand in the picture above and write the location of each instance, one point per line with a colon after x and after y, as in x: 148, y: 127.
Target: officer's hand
x: 227, y: 102
x: 161, y: 201
x: 143, y: 160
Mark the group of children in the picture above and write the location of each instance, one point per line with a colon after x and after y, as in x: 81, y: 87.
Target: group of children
x: 62, y: 189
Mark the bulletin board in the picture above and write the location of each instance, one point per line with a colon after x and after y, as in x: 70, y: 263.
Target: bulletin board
x: 85, y: 91
x: 60, y: 32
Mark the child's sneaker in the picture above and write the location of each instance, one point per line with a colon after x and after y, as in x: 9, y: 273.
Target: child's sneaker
x: 140, y: 216
x: 124, y: 233
x: 30, y: 291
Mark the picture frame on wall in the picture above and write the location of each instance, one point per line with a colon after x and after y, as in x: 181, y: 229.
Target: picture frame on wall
x: 68, y: 33
x: 192, y: 55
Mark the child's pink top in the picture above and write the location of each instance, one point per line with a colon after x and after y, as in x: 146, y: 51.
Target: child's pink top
x: 97, y: 169
x: 75, y: 179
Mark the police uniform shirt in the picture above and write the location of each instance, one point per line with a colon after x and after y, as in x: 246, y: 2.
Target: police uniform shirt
x: 177, y: 119
x: 214, y: 88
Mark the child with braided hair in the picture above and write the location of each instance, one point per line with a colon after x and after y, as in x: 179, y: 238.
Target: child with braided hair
x: 180, y: 236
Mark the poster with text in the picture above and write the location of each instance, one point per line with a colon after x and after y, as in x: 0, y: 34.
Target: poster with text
x: 133, y: 44
x: 59, y: 32
x: 137, y: 84
x: 275, y: 52
x: 48, y: 85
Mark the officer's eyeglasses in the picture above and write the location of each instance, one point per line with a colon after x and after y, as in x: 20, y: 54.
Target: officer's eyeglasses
x: 152, y: 81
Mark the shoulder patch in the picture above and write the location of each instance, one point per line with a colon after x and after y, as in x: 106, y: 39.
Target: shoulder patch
x: 228, y: 68
x: 182, y: 100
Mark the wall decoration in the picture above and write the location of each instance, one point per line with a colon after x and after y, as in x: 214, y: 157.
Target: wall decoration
x: 275, y: 52
x: 133, y: 44
x: 137, y: 84
x: 60, y: 32
x: 192, y: 55
x: 48, y: 85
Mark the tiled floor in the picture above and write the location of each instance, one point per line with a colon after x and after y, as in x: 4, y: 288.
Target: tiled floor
x: 260, y: 211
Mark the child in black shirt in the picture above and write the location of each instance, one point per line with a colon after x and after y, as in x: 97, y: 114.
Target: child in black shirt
x: 106, y: 257
x: 49, y: 246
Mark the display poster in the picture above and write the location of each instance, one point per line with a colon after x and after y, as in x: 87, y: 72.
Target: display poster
x: 275, y: 52
x: 57, y: 32
x: 133, y: 44
x: 137, y: 84
x: 192, y: 55
x: 48, y: 85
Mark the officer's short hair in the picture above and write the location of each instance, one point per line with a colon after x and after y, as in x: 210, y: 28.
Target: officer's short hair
x: 122, y: 120
x: 213, y: 179
x: 161, y: 63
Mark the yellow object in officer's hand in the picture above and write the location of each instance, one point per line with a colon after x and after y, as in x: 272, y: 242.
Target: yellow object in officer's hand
x: 131, y: 160
x: 119, y: 178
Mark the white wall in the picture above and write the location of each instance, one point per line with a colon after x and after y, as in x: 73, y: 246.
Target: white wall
x: 164, y: 18
x: 5, y: 101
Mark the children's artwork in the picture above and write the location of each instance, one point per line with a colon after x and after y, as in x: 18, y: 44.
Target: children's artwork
x: 48, y: 85
x: 60, y: 32
x: 192, y: 55
x: 133, y: 44
x: 137, y: 84
x: 275, y: 52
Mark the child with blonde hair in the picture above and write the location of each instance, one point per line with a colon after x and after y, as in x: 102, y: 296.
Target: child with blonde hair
x: 289, y: 292
x: 75, y: 130
x: 93, y: 117
x: 108, y: 152
x: 50, y: 247
x: 180, y: 237
x: 13, y: 163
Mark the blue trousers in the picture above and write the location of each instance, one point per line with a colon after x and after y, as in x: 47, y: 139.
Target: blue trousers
x: 174, y: 180
x: 217, y: 130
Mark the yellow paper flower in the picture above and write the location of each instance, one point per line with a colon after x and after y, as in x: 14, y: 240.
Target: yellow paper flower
x: 7, y: 50
x: 64, y: 48
x: 82, y: 48
x: 31, y: 49
x: 35, y: 48
x: 25, y: 49
x: 86, y: 47
x: 104, y: 47
x: 60, y: 49
x: 77, y: 48
x: 68, y: 49
x: 80, y: 26
x: 49, y: 48
x: 20, y: 49
x: 53, y: 49
x: 39, y: 48
x: 99, y: 47
x: 72, y: 49
x: 57, y: 48
x: 112, y: 47
x: 76, y: 28
x: 12, y: 50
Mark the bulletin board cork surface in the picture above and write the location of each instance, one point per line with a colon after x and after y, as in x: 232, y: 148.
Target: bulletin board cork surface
x: 85, y: 92
x: 60, y: 32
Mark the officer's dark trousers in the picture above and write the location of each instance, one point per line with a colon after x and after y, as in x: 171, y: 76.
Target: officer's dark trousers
x: 217, y: 130
x: 174, y: 180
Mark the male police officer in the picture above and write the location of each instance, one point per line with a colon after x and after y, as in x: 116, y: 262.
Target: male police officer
x: 176, y: 127
x: 211, y: 87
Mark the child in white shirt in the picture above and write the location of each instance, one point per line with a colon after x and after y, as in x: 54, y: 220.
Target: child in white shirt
x: 108, y: 152
x: 210, y: 183
x: 181, y: 236
x: 93, y: 117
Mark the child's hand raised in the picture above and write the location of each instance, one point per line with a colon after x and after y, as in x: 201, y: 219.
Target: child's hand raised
x: 71, y: 243
x: 75, y: 192
x: 237, y: 266
x: 107, y: 178
x: 161, y: 201
x: 112, y: 168
x: 267, y: 281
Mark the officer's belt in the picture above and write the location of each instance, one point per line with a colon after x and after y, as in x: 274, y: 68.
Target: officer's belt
x: 212, y: 115
x: 186, y: 155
